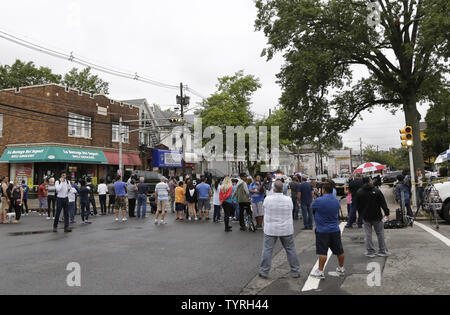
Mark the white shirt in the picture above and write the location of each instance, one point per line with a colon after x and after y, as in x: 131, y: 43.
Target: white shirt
x: 63, y: 188
x: 278, y: 219
x: 72, y: 194
x: 216, y: 198
x: 102, y: 189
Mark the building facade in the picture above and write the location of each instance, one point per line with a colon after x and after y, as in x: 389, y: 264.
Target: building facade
x: 49, y: 128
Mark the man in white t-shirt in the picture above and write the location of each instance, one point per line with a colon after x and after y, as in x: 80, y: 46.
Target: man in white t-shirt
x: 162, y: 200
x: 102, y: 191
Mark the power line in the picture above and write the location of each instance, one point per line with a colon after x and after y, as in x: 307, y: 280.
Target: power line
x: 71, y: 57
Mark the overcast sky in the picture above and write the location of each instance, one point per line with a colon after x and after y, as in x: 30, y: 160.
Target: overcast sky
x: 172, y: 41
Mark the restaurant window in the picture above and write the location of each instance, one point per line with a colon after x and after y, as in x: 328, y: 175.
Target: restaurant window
x: 79, y: 126
x: 1, y: 125
x: 125, y: 131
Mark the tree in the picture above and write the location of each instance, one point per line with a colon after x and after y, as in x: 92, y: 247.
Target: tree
x: 85, y: 81
x: 230, y: 105
x: 437, y: 133
x: 322, y: 41
x: 395, y: 159
x: 25, y: 74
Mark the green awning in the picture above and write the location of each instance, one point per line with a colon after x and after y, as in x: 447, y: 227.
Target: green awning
x: 53, y: 154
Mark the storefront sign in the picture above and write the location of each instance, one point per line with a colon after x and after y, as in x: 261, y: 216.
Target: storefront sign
x: 53, y: 154
x: 167, y: 159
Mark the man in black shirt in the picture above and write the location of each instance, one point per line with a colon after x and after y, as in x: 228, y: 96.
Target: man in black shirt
x: 353, y: 187
x: 370, y: 200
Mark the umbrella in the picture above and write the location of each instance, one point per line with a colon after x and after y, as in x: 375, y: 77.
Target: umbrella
x: 443, y: 157
x: 370, y: 167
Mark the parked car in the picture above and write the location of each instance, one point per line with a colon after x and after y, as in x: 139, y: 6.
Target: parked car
x: 430, y: 176
x: 340, y: 182
x: 151, y: 179
x: 391, y: 178
x: 439, y: 199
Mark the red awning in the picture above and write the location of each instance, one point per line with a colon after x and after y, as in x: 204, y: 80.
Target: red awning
x: 130, y: 159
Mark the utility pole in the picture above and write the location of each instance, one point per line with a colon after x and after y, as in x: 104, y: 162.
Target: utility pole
x: 360, y: 150
x: 183, y: 101
x: 120, y: 148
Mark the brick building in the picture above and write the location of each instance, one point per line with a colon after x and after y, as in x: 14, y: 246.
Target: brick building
x: 45, y: 129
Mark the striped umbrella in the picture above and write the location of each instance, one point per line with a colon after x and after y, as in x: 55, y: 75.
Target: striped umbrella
x: 370, y: 167
x: 443, y: 157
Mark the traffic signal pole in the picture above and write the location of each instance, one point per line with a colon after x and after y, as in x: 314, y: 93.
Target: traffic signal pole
x: 413, y: 178
x: 182, y: 128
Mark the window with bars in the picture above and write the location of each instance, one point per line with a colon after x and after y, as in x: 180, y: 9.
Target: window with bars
x: 79, y: 126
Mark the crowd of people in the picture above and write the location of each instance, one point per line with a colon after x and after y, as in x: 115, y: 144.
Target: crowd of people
x: 266, y: 201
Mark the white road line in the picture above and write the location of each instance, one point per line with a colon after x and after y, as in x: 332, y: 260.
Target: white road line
x: 313, y: 283
x: 434, y: 233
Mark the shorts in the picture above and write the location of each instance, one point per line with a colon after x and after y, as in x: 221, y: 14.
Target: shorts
x: 180, y: 207
x: 43, y: 203
x: 204, y: 205
x: 258, y: 209
x: 325, y: 241
x: 112, y: 199
x: 120, y: 202
x: 5, y: 205
x: 162, y: 205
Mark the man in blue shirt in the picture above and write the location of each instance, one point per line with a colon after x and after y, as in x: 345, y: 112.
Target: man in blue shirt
x: 305, y: 192
x: 328, y: 233
x: 257, y: 194
x: 121, y: 196
x: 204, y: 198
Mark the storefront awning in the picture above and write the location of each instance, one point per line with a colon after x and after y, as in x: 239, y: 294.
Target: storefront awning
x: 130, y: 159
x: 53, y: 154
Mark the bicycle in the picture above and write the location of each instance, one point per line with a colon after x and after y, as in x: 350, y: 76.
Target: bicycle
x: 430, y: 203
x: 249, y: 224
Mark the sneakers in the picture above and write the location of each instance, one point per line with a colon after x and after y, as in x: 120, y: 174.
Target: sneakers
x: 318, y: 274
x: 190, y: 219
x: 340, y: 271
x: 156, y: 222
x: 116, y: 219
x: 370, y: 255
x: 196, y: 219
x: 163, y: 223
x: 386, y: 254
x: 124, y: 220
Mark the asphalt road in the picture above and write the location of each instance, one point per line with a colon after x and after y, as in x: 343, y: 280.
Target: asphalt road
x: 198, y: 258
x: 134, y: 257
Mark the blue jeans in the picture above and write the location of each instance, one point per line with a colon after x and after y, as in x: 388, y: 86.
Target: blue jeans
x: 216, y: 216
x: 72, y: 211
x: 352, y: 216
x: 307, y: 214
x: 142, y: 202
x: 289, y: 247
x: 236, y: 210
x: 85, y: 211
x: 296, y: 210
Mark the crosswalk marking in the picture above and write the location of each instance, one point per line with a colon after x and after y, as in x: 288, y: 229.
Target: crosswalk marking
x: 313, y: 283
x: 434, y: 233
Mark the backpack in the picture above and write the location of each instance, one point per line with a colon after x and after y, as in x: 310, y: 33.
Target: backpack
x: 16, y: 194
x: 9, y: 190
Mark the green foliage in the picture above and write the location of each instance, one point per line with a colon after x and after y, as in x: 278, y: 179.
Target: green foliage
x: 25, y: 74
x: 395, y: 159
x: 322, y: 41
x: 85, y: 81
x: 438, y: 121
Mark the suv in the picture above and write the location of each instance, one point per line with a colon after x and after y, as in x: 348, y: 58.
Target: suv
x: 391, y: 178
x: 150, y: 178
x: 441, y: 201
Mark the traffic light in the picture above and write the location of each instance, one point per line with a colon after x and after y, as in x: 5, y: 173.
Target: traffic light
x: 407, y: 136
x: 177, y: 121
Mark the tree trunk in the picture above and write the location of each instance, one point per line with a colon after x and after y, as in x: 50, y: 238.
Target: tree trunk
x: 412, y: 117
